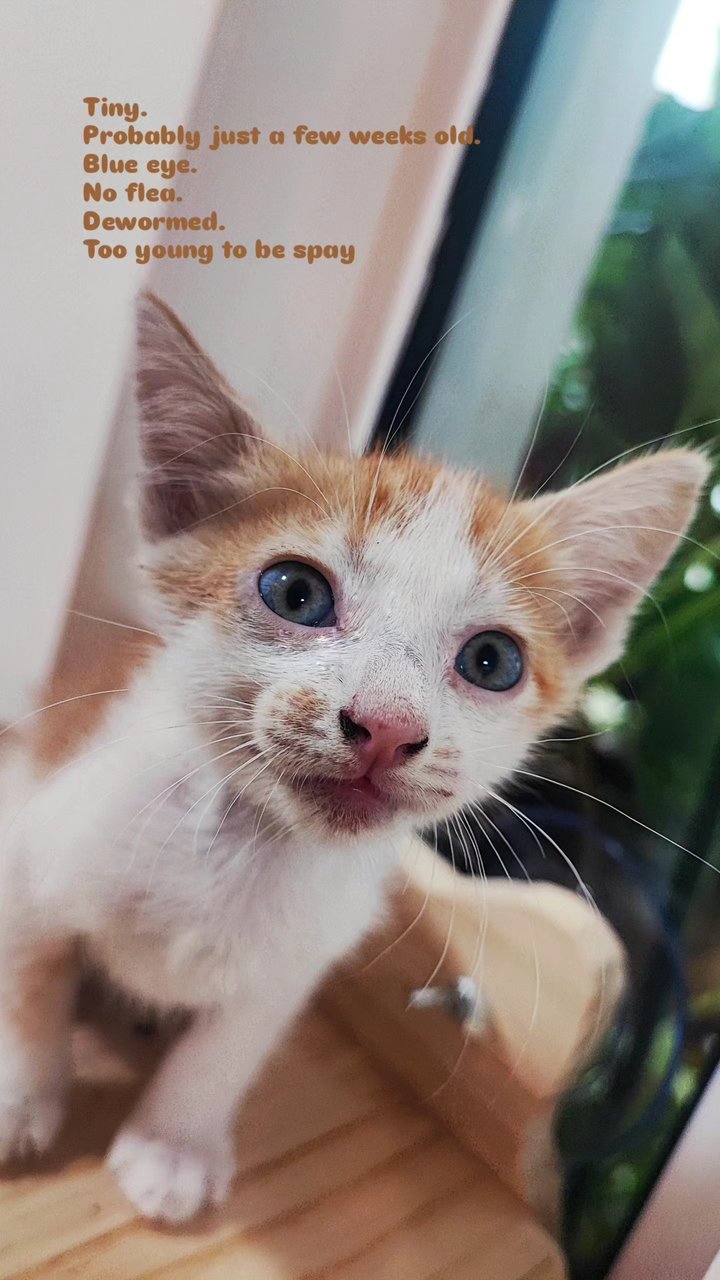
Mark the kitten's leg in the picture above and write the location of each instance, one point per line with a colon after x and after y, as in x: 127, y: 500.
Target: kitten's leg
x: 37, y: 984
x: 175, y: 1155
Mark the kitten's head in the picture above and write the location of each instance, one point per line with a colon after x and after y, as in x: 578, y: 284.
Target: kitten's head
x: 389, y: 636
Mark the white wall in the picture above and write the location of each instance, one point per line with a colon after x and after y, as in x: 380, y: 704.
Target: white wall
x: 64, y: 322
x: 66, y: 407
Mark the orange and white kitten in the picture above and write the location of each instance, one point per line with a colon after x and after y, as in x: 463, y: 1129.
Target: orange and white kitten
x: 349, y: 649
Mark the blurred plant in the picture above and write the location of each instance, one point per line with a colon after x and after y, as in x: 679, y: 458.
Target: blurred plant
x: 643, y: 365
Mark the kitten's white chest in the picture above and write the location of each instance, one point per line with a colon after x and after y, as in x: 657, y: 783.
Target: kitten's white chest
x: 181, y: 898
x: 183, y: 927
x: 211, y: 905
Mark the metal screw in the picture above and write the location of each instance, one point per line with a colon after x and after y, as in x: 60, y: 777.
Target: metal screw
x: 460, y: 999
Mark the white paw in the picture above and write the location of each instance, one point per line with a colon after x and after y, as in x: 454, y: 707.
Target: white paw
x: 28, y: 1121
x: 169, y: 1182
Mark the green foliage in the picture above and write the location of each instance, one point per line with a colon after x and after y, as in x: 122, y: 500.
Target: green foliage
x: 643, y: 365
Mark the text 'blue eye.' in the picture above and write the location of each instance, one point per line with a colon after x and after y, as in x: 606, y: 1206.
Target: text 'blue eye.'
x: 491, y: 660
x: 298, y: 593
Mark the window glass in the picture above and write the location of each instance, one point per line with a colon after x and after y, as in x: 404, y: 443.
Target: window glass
x: 642, y: 364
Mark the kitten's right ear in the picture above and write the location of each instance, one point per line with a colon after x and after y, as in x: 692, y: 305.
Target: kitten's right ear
x: 194, y: 433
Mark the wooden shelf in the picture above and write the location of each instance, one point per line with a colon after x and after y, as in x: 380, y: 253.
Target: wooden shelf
x: 382, y: 1142
x: 343, y: 1175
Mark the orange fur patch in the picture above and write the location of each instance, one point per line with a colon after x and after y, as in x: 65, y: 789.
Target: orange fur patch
x: 41, y: 993
x: 201, y: 572
x: 302, y: 708
x: 96, y: 665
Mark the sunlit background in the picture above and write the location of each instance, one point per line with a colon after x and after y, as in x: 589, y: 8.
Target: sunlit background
x: 687, y: 66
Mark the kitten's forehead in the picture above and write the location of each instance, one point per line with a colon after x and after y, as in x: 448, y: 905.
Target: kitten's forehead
x: 431, y: 547
x: 404, y: 539
x: 421, y: 558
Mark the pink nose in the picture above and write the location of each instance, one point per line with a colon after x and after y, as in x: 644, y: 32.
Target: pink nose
x: 383, y: 741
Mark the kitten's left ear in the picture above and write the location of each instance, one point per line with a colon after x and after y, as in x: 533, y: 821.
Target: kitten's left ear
x: 607, y: 540
x: 194, y: 434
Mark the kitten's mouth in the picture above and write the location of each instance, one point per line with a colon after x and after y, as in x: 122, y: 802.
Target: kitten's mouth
x: 349, y: 803
x: 352, y: 805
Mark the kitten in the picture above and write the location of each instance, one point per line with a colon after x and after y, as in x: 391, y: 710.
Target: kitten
x: 350, y: 648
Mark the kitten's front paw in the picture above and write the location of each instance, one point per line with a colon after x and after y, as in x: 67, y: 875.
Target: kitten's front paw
x: 167, y: 1181
x: 28, y: 1121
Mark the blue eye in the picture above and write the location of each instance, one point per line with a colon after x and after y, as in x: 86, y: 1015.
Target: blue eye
x: 298, y: 593
x: 491, y: 660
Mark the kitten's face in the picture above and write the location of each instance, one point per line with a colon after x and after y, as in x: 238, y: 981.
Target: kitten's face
x: 353, y: 651
x: 389, y: 636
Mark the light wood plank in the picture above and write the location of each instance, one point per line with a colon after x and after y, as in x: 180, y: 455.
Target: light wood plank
x: 551, y: 970
x: 342, y: 1175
